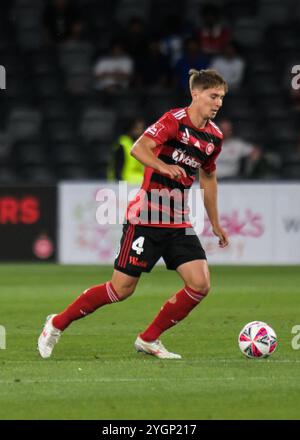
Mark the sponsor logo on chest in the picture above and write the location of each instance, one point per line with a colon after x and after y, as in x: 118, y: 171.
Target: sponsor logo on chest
x: 180, y: 156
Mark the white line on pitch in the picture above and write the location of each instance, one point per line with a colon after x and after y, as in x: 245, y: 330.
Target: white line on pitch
x: 189, y: 361
x: 103, y: 380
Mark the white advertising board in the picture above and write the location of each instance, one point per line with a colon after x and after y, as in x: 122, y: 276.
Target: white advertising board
x: 263, y: 222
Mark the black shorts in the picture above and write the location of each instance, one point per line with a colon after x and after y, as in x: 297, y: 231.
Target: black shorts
x: 142, y: 246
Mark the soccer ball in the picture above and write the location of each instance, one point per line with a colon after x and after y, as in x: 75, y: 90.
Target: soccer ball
x: 257, y: 340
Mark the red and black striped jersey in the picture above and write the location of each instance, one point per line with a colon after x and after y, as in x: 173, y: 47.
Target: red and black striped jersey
x: 162, y: 201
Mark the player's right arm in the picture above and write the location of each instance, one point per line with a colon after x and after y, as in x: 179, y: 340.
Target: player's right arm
x: 142, y: 150
x: 164, y: 129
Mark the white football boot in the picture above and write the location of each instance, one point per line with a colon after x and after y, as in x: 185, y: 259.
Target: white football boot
x: 154, y: 348
x: 48, y: 338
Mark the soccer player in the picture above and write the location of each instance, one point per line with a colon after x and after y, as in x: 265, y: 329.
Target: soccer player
x: 182, y: 141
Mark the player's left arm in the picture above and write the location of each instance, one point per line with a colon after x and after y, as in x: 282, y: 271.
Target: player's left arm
x: 208, y: 182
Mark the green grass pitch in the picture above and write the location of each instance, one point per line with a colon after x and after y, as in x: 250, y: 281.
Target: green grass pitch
x: 95, y: 372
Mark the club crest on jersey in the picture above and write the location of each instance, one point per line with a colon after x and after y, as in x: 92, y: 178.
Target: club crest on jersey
x: 209, y: 148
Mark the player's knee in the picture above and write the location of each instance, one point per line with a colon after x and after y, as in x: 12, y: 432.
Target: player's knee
x: 124, y: 290
x: 200, y: 285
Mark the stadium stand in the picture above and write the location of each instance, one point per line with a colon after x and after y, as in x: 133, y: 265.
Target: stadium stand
x: 55, y: 125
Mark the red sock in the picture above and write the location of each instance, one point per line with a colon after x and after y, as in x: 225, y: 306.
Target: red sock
x: 90, y: 300
x: 173, y: 311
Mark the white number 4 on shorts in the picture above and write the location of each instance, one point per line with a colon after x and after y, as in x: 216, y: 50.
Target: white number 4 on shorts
x: 137, y: 245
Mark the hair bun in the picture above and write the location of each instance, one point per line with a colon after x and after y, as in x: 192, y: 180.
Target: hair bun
x: 193, y: 71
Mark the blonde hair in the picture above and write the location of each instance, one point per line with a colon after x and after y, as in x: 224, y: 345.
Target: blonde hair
x: 206, y: 79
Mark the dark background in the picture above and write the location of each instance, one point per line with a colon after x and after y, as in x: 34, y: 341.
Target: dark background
x: 56, y: 124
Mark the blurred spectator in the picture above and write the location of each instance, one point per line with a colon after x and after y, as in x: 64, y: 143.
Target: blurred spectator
x: 76, y: 44
x: 136, y: 39
x: 230, y: 65
x: 75, y: 59
x: 212, y: 36
x: 191, y: 59
x: 59, y: 18
x: 76, y: 35
x: 114, y: 70
x: 239, y: 158
x: 124, y: 166
x: 172, y: 40
x: 153, y: 69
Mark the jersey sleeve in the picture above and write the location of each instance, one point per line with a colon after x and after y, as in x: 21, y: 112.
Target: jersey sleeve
x: 162, y: 130
x: 210, y: 165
